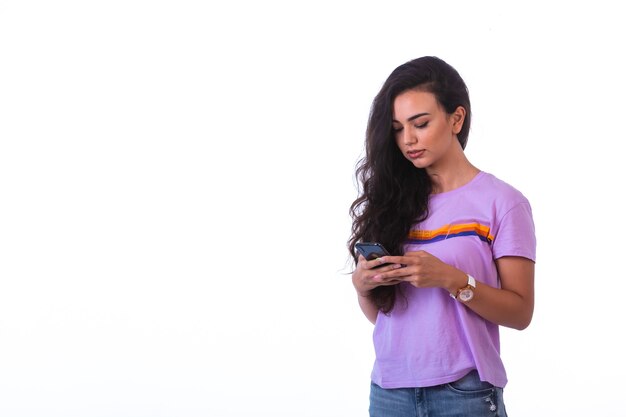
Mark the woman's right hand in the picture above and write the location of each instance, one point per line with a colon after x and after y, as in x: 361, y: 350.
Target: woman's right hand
x: 362, y: 277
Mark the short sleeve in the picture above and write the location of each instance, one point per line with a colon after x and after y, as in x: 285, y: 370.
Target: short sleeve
x: 516, y: 234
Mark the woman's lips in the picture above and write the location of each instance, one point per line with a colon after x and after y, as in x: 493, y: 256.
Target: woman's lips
x: 415, y: 154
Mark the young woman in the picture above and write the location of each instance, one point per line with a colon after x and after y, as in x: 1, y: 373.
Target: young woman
x: 462, y: 247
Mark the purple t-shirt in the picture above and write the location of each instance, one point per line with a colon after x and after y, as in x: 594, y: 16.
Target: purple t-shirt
x: 430, y: 338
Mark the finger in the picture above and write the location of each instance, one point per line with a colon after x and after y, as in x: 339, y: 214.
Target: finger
x: 399, y: 260
x: 388, y: 267
x: 387, y: 283
x: 398, y: 272
x: 383, y: 278
x: 382, y: 264
x: 374, y: 263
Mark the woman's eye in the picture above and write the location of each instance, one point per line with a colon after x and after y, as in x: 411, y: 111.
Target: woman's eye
x: 421, y: 125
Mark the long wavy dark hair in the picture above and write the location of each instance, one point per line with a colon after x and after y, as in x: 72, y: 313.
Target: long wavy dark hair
x: 393, y: 193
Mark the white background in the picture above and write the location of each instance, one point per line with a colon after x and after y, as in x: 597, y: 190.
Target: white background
x: 175, y: 178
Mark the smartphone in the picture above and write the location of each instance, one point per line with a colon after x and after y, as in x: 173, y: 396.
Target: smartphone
x: 371, y: 250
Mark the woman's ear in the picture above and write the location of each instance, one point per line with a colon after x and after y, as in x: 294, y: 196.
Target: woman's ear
x: 457, y: 118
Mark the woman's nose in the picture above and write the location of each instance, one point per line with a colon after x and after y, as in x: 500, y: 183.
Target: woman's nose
x: 409, y: 137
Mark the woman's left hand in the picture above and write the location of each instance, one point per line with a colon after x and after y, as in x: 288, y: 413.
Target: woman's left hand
x: 423, y: 270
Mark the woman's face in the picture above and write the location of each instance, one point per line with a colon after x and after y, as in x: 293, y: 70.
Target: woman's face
x: 424, y: 132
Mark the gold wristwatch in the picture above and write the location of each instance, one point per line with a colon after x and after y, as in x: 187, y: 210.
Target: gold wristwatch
x: 466, y: 293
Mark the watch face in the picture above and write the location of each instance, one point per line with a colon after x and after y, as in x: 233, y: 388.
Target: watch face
x: 466, y: 295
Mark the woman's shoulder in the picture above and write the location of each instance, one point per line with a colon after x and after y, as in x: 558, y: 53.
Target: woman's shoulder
x: 499, y: 189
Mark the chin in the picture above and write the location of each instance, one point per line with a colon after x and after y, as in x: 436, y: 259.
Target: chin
x: 420, y: 164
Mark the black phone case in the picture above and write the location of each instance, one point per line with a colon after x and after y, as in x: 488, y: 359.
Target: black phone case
x: 371, y: 250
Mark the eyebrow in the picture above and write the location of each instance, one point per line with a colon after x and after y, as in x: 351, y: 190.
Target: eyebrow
x: 415, y: 116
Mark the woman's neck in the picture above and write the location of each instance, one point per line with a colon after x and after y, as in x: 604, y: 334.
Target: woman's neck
x: 452, y: 175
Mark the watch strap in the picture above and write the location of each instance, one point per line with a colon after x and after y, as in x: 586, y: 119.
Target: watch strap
x: 471, y: 281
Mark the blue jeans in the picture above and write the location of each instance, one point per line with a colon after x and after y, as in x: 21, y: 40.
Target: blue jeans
x: 468, y: 396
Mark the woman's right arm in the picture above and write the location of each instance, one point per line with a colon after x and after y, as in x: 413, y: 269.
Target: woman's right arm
x: 363, y: 284
x: 368, y: 308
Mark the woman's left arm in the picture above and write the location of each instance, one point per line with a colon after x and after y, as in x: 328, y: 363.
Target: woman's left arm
x: 513, y: 304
